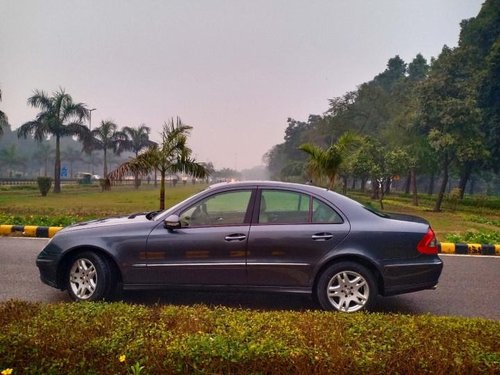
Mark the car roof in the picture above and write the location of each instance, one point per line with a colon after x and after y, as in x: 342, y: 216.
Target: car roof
x: 266, y: 183
x: 343, y: 203
x: 339, y: 199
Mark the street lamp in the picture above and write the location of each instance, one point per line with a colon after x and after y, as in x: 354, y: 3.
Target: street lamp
x: 90, y: 128
x: 90, y: 118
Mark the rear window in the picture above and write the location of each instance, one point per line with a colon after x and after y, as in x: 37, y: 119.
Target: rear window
x: 290, y: 207
x: 375, y: 211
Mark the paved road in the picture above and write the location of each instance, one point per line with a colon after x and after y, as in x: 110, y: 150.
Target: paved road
x: 469, y: 286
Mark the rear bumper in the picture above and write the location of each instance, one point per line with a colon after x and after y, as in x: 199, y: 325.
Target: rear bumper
x: 411, y: 276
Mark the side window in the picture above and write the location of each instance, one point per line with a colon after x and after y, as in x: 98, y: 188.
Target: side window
x: 323, y: 213
x: 221, y: 209
x: 283, y: 207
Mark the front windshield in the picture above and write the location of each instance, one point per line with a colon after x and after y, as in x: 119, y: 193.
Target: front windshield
x: 161, y: 215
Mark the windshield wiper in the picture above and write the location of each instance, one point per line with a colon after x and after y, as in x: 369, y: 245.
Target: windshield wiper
x: 152, y: 214
x: 137, y: 214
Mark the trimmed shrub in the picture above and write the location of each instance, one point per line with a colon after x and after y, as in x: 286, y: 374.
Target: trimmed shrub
x: 111, y: 338
x: 44, y: 184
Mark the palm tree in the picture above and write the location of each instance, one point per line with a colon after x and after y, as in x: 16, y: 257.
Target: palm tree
x: 3, y: 117
x: 171, y: 156
x: 327, y: 162
x: 209, y: 167
x: 59, y: 117
x: 136, y: 140
x: 106, y: 137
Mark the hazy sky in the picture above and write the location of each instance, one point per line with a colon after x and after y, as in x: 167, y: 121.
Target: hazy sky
x: 234, y: 70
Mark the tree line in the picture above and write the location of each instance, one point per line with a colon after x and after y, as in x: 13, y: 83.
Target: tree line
x: 421, y: 119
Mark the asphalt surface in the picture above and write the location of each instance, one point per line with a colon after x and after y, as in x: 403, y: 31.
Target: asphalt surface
x: 469, y: 286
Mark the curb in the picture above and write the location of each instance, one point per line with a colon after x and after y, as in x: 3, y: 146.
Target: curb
x: 468, y: 248
x: 29, y: 230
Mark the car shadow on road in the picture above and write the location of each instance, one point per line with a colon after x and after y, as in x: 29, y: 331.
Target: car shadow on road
x: 247, y: 300
x: 258, y: 301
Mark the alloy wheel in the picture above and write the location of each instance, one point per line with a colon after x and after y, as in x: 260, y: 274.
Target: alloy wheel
x: 348, y: 291
x: 83, y: 278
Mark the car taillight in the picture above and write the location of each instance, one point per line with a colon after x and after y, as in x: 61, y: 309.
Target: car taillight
x: 428, y: 244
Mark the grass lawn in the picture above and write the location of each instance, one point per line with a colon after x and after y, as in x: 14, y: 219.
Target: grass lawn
x: 478, y: 214
x: 76, y: 203
x: 24, y: 205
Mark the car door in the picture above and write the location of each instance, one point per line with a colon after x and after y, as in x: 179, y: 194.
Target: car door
x: 290, y: 233
x: 210, y: 246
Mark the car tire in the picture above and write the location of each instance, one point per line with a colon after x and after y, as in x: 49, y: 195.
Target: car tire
x: 346, y: 287
x: 89, y: 277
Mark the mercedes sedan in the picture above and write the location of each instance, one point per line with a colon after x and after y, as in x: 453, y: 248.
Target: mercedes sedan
x: 252, y: 236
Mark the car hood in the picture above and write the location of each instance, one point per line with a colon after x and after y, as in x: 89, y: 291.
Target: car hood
x: 107, y: 222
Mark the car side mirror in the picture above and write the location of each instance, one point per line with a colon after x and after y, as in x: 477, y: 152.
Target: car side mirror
x: 172, y: 222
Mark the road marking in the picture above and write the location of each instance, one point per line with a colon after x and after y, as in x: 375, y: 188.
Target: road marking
x: 470, y: 256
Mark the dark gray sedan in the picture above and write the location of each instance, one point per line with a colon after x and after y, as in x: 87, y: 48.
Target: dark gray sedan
x: 255, y: 236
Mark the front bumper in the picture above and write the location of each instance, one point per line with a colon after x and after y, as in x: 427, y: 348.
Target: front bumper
x: 47, y: 263
x: 48, y: 272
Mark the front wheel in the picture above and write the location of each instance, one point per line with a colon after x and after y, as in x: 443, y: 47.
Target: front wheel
x: 89, y: 277
x: 346, y: 287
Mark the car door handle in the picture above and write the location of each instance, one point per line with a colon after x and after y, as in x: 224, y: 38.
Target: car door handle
x: 235, y: 237
x: 322, y: 236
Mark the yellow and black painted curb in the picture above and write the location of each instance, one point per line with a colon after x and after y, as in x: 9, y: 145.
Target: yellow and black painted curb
x: 468, y: 248
x: 29, y: 230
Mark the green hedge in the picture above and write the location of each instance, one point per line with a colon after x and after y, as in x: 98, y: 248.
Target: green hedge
x: 90, y: 338
x: 43, y: 220
x: 481, y: 237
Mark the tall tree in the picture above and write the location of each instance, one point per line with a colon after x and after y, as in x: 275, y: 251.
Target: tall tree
x: 171, y: 156
x: 3, y: 117
x: 136, y: 139
x: 59, y: 117
x: 402, y: 130
x: 418, y: 69
x: 481, y: 37
x: 107, y: 137
x: 489, y: 102
x: 448, y: 113
x: 395, y: 72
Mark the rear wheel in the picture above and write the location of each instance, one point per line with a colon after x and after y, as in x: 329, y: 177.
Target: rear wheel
x: 89, y: 277
x: 346, y: 287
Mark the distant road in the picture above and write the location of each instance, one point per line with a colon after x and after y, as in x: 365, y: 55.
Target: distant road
x: 469, y: 286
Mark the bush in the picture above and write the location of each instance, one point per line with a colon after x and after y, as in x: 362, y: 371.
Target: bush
x: 454, y: 197
x: 105, y: 184
x: 106, y: 338
x: 484, y: 220
x: 44, y: 184
x: 43, y: 220
x: 481, y: 237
